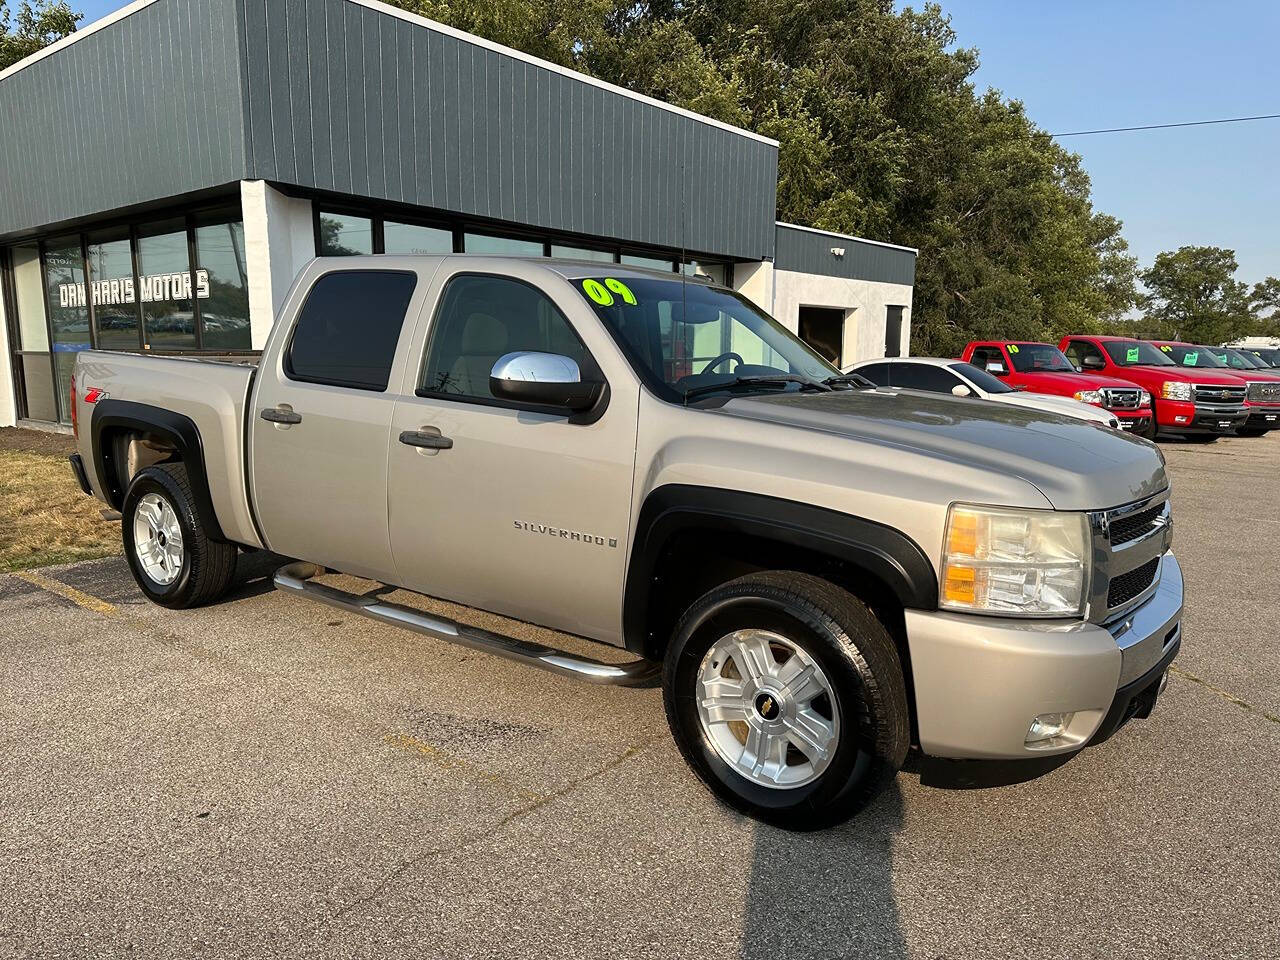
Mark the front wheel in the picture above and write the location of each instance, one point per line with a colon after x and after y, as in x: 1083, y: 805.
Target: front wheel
x: 169, y: 551
x: 786, y: 696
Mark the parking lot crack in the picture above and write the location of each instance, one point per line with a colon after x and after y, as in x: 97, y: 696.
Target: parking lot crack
x: 1225, y: 695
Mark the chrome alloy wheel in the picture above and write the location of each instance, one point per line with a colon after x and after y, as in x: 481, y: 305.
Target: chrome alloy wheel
x: 157, y: 539
x: 767, y: 708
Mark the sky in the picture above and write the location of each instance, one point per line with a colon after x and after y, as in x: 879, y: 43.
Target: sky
x: 1087, y: 64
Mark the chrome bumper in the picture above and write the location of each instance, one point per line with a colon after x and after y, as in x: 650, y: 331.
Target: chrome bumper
x: 979, y: 682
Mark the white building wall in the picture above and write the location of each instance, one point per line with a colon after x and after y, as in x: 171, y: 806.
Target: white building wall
x: 279, y: 240
x: 8, y: 404
x: 865, y: 303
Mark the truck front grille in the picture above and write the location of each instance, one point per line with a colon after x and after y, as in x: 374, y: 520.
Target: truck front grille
x: 1264, y: 391
x: 1128, y: 585
x: 1121, y: 398
x: 1131, y: 527
x: 1213, y: 394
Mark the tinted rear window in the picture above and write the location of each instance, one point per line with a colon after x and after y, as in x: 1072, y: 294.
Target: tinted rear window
x: 347, y: 332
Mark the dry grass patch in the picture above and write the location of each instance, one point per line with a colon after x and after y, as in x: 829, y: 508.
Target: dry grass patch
x: 44, y: 517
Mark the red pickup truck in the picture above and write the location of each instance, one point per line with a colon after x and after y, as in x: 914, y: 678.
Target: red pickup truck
x: 1197, y: 404
x: 1042, y: 368
x: 1263, y: 397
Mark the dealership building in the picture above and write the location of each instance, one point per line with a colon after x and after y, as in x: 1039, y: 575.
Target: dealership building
x: 168, y: 169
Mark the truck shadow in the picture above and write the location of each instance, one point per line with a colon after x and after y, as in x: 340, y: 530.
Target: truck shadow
x: 254, y: 570
x: 827, y: 894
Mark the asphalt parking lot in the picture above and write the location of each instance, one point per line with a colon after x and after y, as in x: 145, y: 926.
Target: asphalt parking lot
x: 270, y: 777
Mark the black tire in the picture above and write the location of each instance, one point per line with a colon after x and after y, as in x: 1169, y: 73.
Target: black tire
x: 1251, y: 432
x: 859, y: 659
x: 207, y: 565
x: 1202, y: 437
x: 1153, y: 428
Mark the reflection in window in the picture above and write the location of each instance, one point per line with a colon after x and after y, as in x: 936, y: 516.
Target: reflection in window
x: 712, y: 271
x: 111, y: 290
x: 410, y: 238
x: 164, y: 287
x: 68, y: 309
x: 650, y: 262
x: 224, y: 314
x: 501, y: 246
x: 342, y: 235
x: 581, y: 253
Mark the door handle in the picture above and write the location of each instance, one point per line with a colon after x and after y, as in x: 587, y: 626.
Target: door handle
x: 426, y: 440
x: 280, y: 415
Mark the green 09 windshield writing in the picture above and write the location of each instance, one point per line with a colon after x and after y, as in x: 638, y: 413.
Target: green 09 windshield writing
x: 602, y: 293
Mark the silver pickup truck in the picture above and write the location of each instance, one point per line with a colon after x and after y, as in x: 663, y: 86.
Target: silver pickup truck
x: 822, y: 574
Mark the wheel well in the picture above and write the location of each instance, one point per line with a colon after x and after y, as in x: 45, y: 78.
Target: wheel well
x: 694, y: 561
x: 126, y: 452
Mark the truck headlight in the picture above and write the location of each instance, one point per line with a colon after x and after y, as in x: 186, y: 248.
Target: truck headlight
x: 1029, y: 563
x: 1144, y: 398
x: 1089, y: 396
x: 1175, y: 391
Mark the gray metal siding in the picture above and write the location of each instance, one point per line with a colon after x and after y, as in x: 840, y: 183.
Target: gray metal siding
x: 805, y: 252
x: 345, y: 98
x: 148, y: 107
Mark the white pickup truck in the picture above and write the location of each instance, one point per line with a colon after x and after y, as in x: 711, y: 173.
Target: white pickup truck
x: 822, y: 574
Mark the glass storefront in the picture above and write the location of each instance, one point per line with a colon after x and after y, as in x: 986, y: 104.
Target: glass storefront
x: 133, y: 286
x: 411, y: 238
x: 342, y: 235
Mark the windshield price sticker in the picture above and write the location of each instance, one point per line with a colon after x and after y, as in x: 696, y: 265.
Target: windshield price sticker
x: 603, y: 293
x: 1131, y: 355
x: 1189, y: 359
x: 1167, y: 349
x: 1013, y: 347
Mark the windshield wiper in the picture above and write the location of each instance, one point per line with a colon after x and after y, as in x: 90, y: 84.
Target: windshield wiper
x: 850, y: 379
x: 736, y: 382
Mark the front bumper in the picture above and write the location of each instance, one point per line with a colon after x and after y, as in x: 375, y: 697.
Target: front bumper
x: 980, y: 681
x: 1176, y: 417
x: 1263, y: 418
x: 1136, y: 421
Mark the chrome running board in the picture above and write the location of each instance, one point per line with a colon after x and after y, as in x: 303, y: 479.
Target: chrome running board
x: 296, y: 578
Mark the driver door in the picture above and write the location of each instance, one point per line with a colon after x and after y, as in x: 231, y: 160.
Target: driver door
x: 518, y: 510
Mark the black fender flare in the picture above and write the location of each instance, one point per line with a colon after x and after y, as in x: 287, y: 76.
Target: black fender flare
x: 882, y: 551
x: 110, y: 415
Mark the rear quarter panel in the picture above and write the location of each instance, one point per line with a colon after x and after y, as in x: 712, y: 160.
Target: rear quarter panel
x: 212, y: 394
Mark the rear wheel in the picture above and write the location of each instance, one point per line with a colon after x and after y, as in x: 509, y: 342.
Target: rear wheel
x: 786, y: 696
x: 169, y: 551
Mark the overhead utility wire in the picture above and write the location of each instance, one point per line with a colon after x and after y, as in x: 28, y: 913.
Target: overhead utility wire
x: 1165, y: 126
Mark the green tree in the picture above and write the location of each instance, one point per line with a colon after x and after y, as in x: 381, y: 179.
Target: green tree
x: 1192, y: 295
x: 36, y: 26
x: 881, y: 134
x: 1265, y: 304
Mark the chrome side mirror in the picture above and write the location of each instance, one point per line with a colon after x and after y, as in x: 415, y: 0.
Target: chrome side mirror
x: 548, y: 379
x: 996, y: 368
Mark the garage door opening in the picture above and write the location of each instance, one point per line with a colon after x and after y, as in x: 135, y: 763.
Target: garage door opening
x: 823, y: 329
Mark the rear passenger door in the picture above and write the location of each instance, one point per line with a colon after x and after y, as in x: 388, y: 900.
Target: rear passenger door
x: 322, y: 417
x: 524, y: 512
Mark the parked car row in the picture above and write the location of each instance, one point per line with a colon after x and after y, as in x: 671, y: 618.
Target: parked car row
x: 1153, y: 388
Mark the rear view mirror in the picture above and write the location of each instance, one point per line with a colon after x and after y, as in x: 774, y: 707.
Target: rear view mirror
x: 994, y: 366
x: 543, y: 378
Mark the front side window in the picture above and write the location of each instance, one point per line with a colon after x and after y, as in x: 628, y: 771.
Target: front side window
x: 1136, y: 353
x: 483, y: 317
x: 347, y: 332
x: 986, y: 355
x: 1038, y: 358
x: 689, y: 336
x: 923, y: 376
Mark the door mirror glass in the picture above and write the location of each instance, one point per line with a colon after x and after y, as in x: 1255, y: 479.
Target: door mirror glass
x: 1092, y: 363
x: 994, y: 366
x: 960, y: 390
x: 527, y: 376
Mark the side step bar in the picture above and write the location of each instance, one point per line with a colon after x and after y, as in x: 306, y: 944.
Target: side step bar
x: 296, y: 578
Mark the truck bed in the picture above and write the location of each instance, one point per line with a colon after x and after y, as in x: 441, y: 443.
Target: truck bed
x: 210, y: 391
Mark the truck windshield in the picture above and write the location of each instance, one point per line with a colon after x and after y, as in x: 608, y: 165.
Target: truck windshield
x: 1190, y: 356
x: 1136, y: 353
x: 1038, y: 358
x: 687, y: 337
x: 1268, y: 355
x: 1239, y: 359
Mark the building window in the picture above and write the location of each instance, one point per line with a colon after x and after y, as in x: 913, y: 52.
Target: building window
x: 501, y: 246
x: 165, y: 287
x: 68, y: 310
x: 224, y: 316
x: 893, y: 331
x: 343, y: 235
x: 582, y: 253
x: 33, y: 362
x: 112, y: 291
x: 412, y: 238
x: 652, y: 263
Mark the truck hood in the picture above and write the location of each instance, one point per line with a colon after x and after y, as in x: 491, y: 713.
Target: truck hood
x: 1076, y: 465
x: 1208, y: 375
x: 1068, y: 383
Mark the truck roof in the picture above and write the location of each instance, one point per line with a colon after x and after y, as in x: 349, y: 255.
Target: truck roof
x: 569, y: 269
